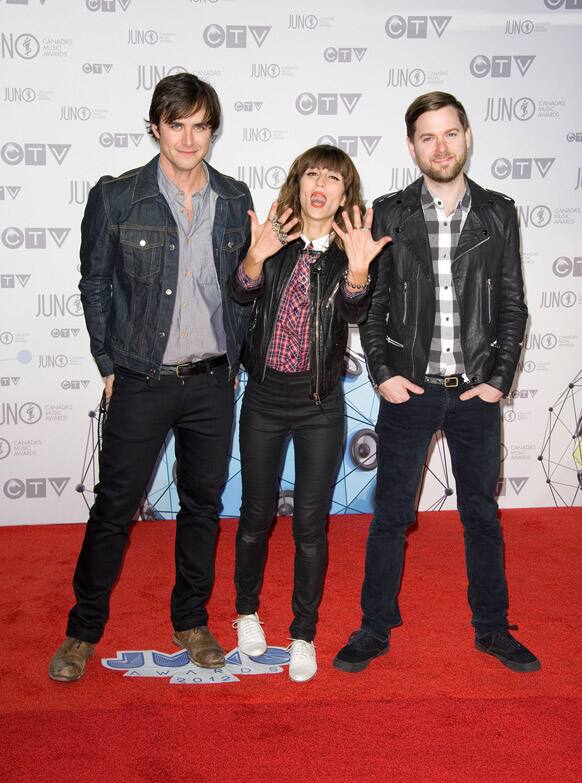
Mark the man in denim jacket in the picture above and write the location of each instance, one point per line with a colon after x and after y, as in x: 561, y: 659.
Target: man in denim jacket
x: 157, y: 245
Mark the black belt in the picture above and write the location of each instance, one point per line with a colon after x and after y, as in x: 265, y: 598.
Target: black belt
x: 194, y: 368
x: 448, y: 381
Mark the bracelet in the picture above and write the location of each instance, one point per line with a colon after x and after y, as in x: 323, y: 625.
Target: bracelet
x: 356, y: 286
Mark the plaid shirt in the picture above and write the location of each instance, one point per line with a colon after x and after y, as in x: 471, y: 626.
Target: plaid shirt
x: 445, y: 355
x: 289, y: 347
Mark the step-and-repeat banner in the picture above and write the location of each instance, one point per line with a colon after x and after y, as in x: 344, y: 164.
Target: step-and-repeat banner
x: 75, y: 85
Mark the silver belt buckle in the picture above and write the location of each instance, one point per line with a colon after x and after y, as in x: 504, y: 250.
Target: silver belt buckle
x: 451, y: 383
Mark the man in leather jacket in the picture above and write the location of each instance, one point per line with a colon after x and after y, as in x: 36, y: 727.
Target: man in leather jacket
x: 158, y: 244
x: 442, y: 341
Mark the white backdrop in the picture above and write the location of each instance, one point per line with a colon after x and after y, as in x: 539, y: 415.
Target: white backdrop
x: 75, y: 84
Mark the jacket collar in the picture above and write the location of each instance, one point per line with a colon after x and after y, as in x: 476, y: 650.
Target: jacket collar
x: 410, y: 196
x: 146, y: 182
x: 412, y: 227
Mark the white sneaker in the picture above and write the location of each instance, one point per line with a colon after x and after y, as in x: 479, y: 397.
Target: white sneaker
x: 302, y: 665
x: 251, y: 639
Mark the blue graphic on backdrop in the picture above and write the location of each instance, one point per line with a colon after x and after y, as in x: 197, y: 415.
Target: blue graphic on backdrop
x: 353, y: 492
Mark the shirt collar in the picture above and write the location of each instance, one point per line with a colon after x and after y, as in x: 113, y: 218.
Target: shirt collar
x: 428, y: 200
x: 321, y: 243
x: 173, y: 191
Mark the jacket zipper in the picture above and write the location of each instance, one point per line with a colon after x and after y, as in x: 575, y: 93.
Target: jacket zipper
x: 489, y: 295
x: 333, y: 293
x: 405, y: 302
x: 415, y: 316
x: 316, y: 395
x: 468, y: 250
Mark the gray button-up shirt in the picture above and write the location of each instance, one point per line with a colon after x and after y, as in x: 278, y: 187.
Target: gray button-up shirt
x: 197, y: 330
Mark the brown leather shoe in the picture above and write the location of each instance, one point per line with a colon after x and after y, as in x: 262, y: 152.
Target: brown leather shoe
x: 203, y: 649
x: 68, y: 663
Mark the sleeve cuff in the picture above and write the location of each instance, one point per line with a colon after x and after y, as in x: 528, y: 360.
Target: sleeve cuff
x: 246, y: 282
x: 351, y: 295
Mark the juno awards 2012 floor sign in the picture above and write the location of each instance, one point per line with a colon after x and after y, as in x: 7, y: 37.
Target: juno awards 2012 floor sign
x: 177, y: 668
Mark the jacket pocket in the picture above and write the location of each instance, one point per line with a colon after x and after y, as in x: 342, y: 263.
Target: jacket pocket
x: 141, y: 250
x: 234, y: 239
x: 394, y: 342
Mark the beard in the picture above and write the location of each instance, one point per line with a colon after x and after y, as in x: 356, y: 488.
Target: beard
x: 437, y: 174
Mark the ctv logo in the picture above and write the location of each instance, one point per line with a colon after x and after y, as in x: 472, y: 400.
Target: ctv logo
x: 415, y: 26
x: 500, y: 66
x: 15, y: 238
x: 13, y: 153
x: 107, y: 6
x: 326, y: 102
x: 516, y: 483
x: 234, y: 36
x: 520, y: 168
x: 352, y: 144
x: 33, y: 488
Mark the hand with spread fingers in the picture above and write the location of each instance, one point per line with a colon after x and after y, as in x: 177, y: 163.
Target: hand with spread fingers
x: 267, y: 238
x: 359, y: 246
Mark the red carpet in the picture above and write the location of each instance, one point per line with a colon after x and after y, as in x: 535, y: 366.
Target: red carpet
x: 434, y: 709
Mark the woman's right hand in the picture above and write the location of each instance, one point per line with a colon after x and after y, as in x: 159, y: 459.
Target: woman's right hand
x: 265, y: 240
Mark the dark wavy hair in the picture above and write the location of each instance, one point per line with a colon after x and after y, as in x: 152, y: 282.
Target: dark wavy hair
x: 182, y: 95
x: 323, y: 156
x: 431, y: 101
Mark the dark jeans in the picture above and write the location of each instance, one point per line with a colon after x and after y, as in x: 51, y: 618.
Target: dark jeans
x: 199, y: 409
x: 472, y: 429
x: 271, y: 412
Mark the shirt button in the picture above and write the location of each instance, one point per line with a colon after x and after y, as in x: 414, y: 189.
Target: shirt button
x: 168, y: 291
x: 448, y: 349
x: 142, y: 243
x: 446, y: 288
x: 444, y: 224
x: 172, y: 246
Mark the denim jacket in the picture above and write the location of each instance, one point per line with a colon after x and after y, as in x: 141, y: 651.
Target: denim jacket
x: 129, y: 267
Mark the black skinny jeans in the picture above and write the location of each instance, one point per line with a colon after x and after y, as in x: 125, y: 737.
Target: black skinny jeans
x: 272, y: 412
x: 472, y: 429
x: 199, y: 409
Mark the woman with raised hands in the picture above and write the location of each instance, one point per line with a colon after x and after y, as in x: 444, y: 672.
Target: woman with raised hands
x: 307, y: 272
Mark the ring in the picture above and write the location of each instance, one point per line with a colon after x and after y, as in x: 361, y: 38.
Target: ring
x: 363, y: 228
x: 278, y: 229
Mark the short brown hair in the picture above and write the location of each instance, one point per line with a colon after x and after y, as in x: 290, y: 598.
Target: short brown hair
x: 431, y: 101
x: 181, y: 95
x: 323, y: 156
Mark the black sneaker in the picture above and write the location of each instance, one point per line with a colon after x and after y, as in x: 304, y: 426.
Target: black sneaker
x: 362, y: 647
x: 508, y: 650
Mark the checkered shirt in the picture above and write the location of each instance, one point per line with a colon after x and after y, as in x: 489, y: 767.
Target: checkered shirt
x: 289, y: 347
x: 445, y: 355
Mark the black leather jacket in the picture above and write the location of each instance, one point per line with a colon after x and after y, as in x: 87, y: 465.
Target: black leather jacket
x: 488, y: 284
x: 330, y: 315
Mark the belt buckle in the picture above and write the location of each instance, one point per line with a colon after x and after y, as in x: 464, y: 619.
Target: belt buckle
x: 178, y: 366
x: 451, y: 382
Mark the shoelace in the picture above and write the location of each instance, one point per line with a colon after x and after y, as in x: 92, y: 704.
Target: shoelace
x: 506, y: 637
x: 301, y: 648
x: 246, y: 623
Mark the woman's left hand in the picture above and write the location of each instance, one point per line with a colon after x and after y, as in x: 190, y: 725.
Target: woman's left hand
x: 359, y: 245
